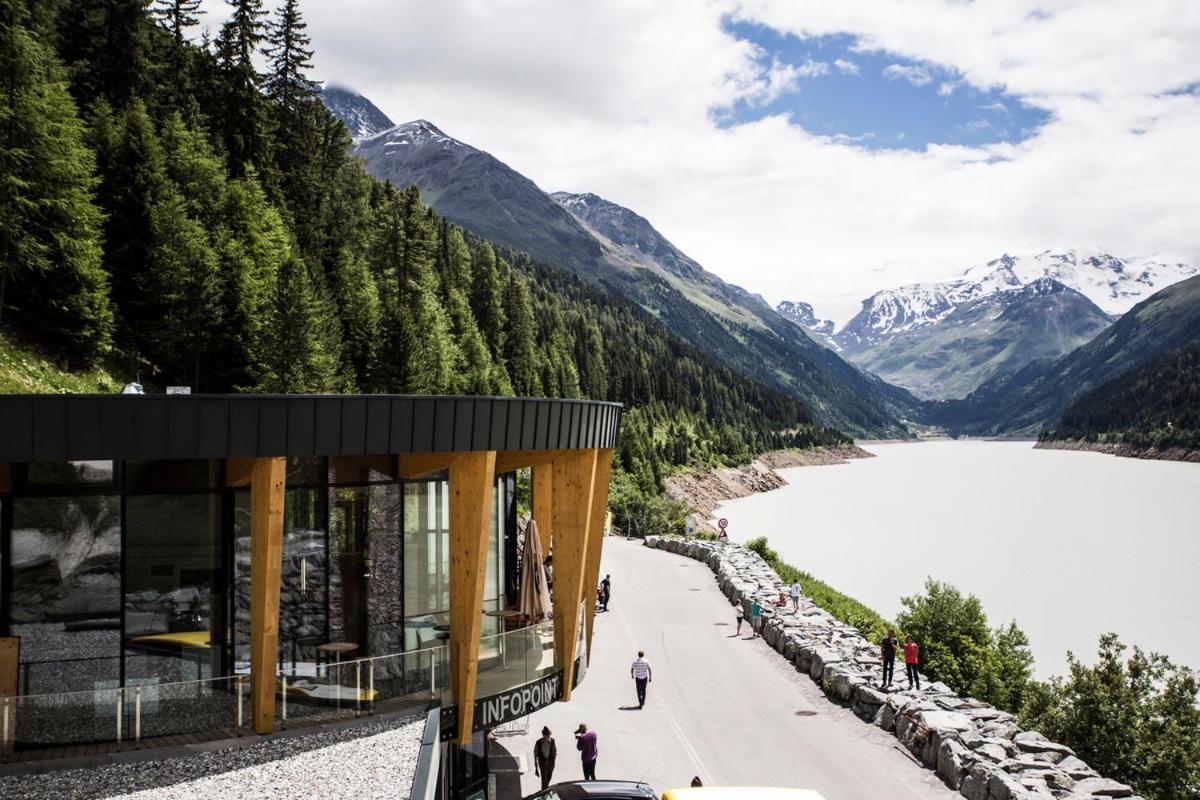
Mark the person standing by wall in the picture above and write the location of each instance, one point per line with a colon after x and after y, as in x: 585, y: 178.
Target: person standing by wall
x: 605, y: 591
x: 642, y: 675
x: 741, y: 614
x: 910, y: 663
x: 795, y: 593
x: 887, y: 650
x: 755, y: 617
x: 585, y: 743
x: 545, y: 751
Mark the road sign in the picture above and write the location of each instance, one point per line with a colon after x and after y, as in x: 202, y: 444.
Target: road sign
x: 722, y: 522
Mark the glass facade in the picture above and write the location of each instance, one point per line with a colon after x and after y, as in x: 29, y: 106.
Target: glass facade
x: 138, y: 573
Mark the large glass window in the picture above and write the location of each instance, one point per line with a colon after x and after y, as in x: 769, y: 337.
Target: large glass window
x: 426, y: 564
x: 65, y: 598
x: 366, y: 604
x: 172, y: 588
x: 303, y: 585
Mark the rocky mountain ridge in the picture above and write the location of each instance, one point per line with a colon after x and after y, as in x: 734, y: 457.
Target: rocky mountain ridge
x: 360, y: 114
x: 620, y: 252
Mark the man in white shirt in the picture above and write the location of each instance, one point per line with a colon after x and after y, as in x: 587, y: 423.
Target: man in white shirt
x: 640, y: 672
x: 795, y: 592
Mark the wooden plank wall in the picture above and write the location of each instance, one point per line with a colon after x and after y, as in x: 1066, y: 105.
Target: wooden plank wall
x: 267, y: 484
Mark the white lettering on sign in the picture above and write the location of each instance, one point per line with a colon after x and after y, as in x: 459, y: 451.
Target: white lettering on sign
x: 520, y: 701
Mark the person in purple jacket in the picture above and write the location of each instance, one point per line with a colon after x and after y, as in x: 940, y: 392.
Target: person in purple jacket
x: 585, y: 742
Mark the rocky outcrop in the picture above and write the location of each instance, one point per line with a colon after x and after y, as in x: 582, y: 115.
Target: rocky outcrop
x: 1123, y: 449
x: 976, y: 749
x: 704, y: 491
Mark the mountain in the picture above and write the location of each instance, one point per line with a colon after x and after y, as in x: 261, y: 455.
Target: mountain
x: 360, y: 114
x: 613, y: 248
x: 802, y: 314
x: 983, y: 337
x: 1021, y: 403
x: 942, y: 340
x: 1154, y: 407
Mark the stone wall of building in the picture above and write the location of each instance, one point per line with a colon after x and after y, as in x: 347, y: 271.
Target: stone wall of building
x: 976, y: 749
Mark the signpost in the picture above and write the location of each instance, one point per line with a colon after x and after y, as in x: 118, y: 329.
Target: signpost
x: 506, y: 706
x: 722, y: 523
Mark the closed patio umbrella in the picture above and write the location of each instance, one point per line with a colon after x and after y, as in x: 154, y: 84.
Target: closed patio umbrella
x: 533, y: 599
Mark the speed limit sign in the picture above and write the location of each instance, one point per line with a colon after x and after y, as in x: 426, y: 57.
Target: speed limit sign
x: 722, y: 522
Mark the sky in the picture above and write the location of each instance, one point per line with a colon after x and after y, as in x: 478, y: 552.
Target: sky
x: 815, y: 151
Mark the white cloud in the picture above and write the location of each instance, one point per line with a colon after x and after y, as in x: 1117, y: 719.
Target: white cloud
x: 913, y: 73
x: 616, y: 97
x: 845, y: 66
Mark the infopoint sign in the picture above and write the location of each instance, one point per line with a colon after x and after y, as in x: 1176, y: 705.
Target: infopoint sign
x: 498, y: 709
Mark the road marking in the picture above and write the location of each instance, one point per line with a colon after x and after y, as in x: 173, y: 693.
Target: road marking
x: 683, y: 740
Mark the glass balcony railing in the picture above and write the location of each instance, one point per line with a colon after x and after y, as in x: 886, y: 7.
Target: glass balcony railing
x: 147, y: 709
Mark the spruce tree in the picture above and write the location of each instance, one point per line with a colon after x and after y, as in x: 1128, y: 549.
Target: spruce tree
x: 49, y: 224
x: 104, y: 44
x: 520, y: 341
x: 243, y: 110
x: 300, y: 355
x: 289, y: 50
x: 178, y: 17
x: 486, y: 299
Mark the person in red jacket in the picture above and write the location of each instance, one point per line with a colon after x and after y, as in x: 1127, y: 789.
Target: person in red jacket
x: 910, y: 662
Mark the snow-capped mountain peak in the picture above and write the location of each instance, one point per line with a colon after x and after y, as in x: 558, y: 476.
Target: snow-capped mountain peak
x: 416, y: 132
x: 361, y: 116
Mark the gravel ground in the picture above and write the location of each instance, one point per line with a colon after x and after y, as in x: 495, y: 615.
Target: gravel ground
x: 373, y: 760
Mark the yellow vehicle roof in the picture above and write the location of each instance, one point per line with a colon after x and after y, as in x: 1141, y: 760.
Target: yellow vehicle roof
x: 740, y: 793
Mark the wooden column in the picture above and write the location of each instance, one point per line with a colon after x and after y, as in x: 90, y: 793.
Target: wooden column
x: 542, y: 481
x: 472, y: 484
x: 574, y: 476
x: 596, y: 536
x: 10, y: 649
x: 267, y: 480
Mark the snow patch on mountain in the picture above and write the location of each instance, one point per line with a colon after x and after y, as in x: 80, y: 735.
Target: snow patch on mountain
x: 359, y: 114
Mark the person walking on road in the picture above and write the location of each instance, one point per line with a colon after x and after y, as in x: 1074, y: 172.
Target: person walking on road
x: 755, y: 617
x: 641, y: 674
x: 795, y: 593
x: 585, y: 743
x: 741, y: 614
x: 605, y: 591
x: 887, y: 651
x: 910, y: 663
x: 545, y: 751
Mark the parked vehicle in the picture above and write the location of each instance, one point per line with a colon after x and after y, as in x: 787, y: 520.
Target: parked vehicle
x: 740, y: 793
x: 596, y: 790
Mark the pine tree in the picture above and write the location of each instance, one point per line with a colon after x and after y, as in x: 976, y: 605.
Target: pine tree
x: 104, y: 44
x: 184, y: 267
x: 300, y: 355
x: 49, y: 223
x: 244, y: 114
x: 486, y: 300
x: 290, y: 52
x: 520, y: 341
x: 178, y: 17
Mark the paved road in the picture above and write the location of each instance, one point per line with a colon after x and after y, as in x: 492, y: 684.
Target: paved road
x: 721, y: 707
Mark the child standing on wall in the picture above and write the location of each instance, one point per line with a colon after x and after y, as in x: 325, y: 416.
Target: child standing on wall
x: 910, y: 663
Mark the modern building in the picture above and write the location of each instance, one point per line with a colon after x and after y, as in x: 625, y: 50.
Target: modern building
x: 164, y: 557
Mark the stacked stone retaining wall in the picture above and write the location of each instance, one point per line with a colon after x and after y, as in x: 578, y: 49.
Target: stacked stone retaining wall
x: 976, y: 749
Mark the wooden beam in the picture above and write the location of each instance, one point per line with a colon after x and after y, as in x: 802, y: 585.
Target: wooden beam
x: 542, y: 484
x: 574, y: 476
x: 237, y: 471
x: 596, y: 537
x: 5, y: 478
x: 417, y: 465
x: 10, y: 650
x: 472, y: 485
x: 508, y: 460
x: 267, y: 483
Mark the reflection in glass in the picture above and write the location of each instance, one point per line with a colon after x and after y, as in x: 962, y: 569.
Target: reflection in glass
x: 303, y: 580
x: 66, y: 592
x: 365, y: 601
x: 172, y: 558
x: 62, y: 473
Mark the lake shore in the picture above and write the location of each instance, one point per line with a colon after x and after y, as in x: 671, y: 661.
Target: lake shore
x: 704, y: 491
x: 1123, y: 449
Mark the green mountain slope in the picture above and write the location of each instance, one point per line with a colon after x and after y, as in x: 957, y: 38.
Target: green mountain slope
x: 477, y: 191
x: 1154, y: 406
x: 1036, y: 395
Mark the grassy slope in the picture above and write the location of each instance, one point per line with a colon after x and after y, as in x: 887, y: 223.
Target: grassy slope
x: 24, y: 370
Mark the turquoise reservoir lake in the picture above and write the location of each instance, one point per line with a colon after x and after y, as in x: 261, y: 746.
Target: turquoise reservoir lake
x: 1070, y: 544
